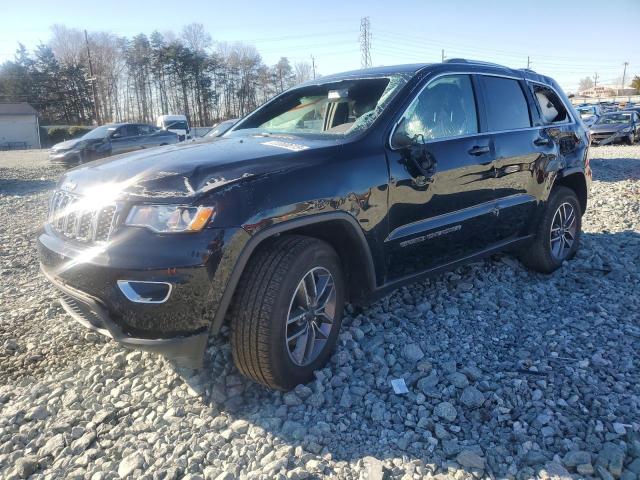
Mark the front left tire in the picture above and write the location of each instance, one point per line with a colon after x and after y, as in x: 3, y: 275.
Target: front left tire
x: 287, y: 311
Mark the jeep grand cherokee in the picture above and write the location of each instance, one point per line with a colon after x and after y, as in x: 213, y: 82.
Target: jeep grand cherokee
x: 338, y: 190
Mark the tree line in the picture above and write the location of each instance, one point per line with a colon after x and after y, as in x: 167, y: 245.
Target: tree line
x: 139, y: 78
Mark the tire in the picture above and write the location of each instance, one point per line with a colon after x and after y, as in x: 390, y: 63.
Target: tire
x: 269, y: 295
x: 539, y: 254
x: 631, y: 139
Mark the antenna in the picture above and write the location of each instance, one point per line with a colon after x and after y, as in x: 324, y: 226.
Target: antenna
x: 365, y: 42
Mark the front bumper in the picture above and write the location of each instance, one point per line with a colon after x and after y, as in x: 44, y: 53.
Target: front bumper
x: 606, y: 138
x: 66, y: 157
x: 88, y: 283
x: 187, y: 351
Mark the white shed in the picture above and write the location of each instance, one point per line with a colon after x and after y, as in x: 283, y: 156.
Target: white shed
x: 19, y: 126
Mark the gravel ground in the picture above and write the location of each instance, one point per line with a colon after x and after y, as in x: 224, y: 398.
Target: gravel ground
x: 510, y: 373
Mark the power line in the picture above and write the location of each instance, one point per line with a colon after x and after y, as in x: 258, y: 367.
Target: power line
x: 365, y: 42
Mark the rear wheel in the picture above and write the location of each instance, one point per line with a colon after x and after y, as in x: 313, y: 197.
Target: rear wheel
x: 287, y: 311
x: 558, y: 234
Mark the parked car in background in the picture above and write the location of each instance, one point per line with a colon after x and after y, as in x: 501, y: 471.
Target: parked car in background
x: 221, y: 128
x: 615, y: 127
x: 109, y: 140
x: 589, y: 113
x: 178, y: 124
x: 337, y: 190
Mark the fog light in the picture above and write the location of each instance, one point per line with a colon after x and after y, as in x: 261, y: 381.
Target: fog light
x: 145, y: 292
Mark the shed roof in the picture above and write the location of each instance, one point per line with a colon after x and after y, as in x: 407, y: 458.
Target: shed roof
x: 21, y: 108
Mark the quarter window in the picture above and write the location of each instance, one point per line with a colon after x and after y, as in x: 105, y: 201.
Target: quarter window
x: 506, y: 104
x: 551, y: 107
x: 445, y: 108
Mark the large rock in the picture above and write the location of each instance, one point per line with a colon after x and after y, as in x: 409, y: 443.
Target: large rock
x: 576, y: 457
x: 25, y: 466
x: 129, y: 464
x: 446, y: 411
x: 472, y: 397
x: 470, y: 459
x: 611, y: 457
x: 412, y: 352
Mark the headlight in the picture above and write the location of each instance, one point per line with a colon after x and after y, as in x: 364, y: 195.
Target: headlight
x: 169, y: 218
x: 627, y: 130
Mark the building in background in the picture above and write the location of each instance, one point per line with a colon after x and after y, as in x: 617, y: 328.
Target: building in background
x: 606, y: 91
x: 19, y: 126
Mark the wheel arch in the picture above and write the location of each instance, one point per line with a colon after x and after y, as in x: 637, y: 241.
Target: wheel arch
x: 338, y: 229
x: 576, y: 181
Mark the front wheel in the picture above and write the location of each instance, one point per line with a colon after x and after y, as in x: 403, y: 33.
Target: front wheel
x: 558, y: 234
x: 287, y: 311
x: 631, y: 139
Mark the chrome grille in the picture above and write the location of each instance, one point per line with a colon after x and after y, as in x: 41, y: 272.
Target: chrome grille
x: 68, y: 218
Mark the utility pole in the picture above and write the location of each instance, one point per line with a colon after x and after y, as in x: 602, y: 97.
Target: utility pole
x: 365, y: 42
x: 528, y: 62
x: 92, y: 79
x: 595, y: 80
x: 442, y: 56
x: 313, y: 66
x: 624, y: 73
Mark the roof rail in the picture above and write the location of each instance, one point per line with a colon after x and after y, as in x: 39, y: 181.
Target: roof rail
x: 528, y: 70
x: 475, y: 62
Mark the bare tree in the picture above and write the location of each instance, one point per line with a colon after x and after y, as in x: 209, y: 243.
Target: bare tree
x: 68, y: 45
x: 302, y: 72
x: 196, y: 37
x: 585, y: 84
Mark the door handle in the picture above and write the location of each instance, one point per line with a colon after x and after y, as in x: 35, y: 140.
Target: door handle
x: 542, y: 142
x: 479, y: 150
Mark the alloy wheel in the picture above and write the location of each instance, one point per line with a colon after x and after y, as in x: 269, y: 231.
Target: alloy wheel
x: 563, y: 231
x: 311, y: 316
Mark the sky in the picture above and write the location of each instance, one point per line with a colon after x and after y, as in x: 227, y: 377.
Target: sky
x: 567, y: 40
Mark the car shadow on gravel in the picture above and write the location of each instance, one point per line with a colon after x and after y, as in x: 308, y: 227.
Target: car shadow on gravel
x: 624, y: 169
x: 24, y: 187
x: 515, y: 375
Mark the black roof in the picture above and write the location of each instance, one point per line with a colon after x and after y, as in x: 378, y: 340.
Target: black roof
x: 413, y: 68
x: 22, y: 108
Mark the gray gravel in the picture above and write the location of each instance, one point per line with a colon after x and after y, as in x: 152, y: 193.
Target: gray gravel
x: 510, y: 373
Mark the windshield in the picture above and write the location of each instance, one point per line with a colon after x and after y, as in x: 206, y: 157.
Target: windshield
x: 614, y: 119
x: 99, y: 132
x: 175, y: 125
x: 336, y: 108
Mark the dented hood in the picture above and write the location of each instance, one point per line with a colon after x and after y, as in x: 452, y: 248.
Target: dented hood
x: 180, y: 171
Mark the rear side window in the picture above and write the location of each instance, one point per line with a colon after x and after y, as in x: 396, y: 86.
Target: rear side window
x: 506, y: 105
x: 551, y: 108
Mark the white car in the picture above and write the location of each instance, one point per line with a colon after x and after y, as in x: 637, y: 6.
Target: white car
x: 178, y: 124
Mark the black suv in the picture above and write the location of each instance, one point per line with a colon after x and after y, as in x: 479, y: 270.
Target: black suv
x: 335, y: 191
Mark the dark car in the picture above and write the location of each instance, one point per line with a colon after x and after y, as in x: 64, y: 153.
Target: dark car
x: 338, y: 190
x: 221, y: 128
x: 622, y: 126
x: 109, y: 140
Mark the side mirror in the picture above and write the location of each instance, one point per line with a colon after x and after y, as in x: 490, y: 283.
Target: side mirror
x: 116, y: 135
